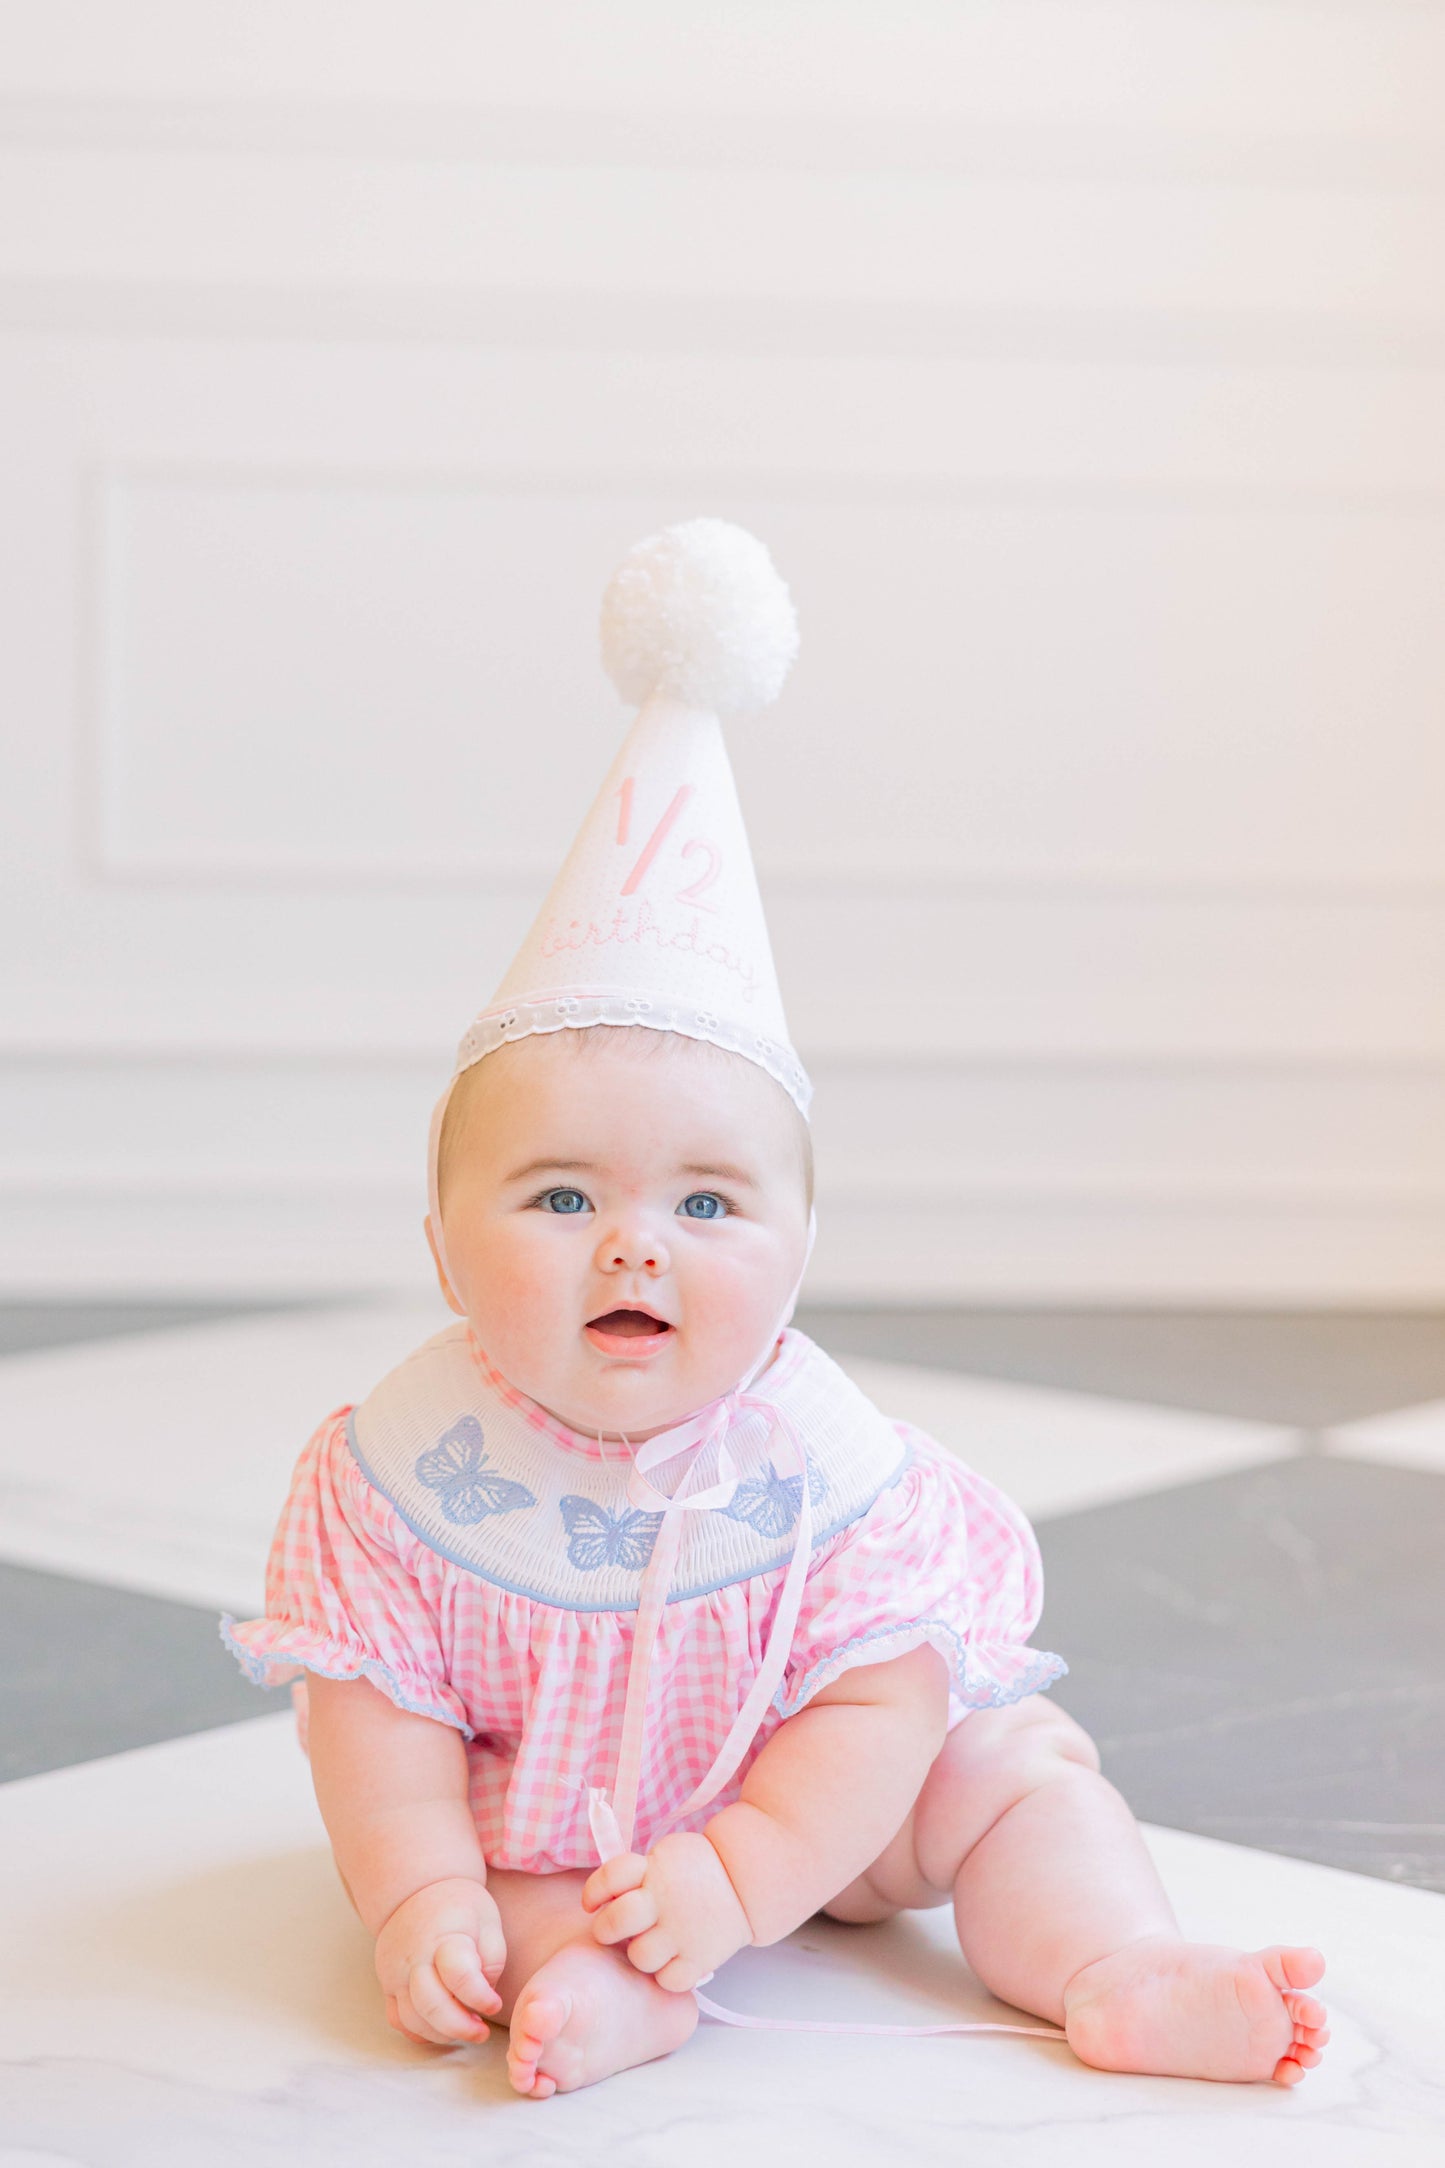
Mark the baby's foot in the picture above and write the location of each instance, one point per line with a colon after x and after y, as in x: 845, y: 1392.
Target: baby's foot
x: 587, y: 2013
x: 1188, y: 2010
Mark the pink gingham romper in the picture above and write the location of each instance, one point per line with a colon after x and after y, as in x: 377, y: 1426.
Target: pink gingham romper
x: 479, y: 1563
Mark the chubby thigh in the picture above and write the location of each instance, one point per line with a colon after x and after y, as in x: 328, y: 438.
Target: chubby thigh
x: 987, y: 1763
x: 990, y: 1760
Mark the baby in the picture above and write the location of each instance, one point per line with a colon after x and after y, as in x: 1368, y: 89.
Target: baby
x: 622, y: 1522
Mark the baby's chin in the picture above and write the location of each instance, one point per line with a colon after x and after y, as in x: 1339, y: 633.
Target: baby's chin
x: 592, y: 1392
x: 634, y: 1400
x: 634, y: 1407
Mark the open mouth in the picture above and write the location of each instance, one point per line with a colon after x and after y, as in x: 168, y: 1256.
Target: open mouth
x: 633, y: 1330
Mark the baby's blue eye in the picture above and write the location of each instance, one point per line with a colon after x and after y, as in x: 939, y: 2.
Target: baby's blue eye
x: 703, y: 1204
x: 567, y: 1201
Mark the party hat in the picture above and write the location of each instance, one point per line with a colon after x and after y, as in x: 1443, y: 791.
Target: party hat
x: 655, y: 917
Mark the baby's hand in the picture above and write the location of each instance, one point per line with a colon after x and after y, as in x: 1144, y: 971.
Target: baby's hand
x: 676, y: 1910
x: 437, y: 1957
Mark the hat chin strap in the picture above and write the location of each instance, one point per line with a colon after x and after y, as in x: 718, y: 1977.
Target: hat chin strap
x: 750, y: 1377
x: 433, y: 1195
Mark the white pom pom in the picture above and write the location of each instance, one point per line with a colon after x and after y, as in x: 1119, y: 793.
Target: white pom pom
x: 700, y: 613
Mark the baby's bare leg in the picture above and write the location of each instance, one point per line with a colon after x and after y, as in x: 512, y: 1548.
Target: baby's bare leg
x: 1059, y: 1910
x: 577, y: 2012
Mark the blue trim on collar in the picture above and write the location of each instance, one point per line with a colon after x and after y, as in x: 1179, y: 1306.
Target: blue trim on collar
x: 676, y: 1595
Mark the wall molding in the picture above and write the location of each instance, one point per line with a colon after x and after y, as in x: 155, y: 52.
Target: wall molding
x: 677, y: 138
x: 798, y: 485
x: 905, y: 880
x: 90, y: 1048
x: 1201, y: 66
x: 683, y: 325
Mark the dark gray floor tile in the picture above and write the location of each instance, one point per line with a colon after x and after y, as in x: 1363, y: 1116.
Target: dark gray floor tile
x: 86, y: 1671
x: 1261, y: 1658
x: 1310, y: 1368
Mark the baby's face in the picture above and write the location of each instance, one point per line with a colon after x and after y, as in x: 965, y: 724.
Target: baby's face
x: 624, y: 1226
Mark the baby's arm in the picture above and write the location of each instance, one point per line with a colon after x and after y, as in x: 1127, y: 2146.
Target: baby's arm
x: 392, y: 1788
x: 819, y: 1804
x: 830, y: 1788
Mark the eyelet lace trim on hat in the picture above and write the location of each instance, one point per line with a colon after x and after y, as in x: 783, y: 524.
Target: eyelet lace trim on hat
x: 571, y: 1012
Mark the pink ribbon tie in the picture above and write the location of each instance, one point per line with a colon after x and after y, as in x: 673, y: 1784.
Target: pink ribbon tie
x: 612, y: 1820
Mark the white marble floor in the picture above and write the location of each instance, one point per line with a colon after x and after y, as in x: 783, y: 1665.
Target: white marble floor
x: 159, y: 1462
x: 1405, y: 1438
x: 184, y: 1983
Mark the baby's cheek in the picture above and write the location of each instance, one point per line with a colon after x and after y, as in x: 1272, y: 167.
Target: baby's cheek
x: 515, y: 1299
x: 734, y: 1313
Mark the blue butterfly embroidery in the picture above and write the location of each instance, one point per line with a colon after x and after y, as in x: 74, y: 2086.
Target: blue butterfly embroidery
x: 456, y: 1468
x: 599, y: 1538
x: 771, y: 1502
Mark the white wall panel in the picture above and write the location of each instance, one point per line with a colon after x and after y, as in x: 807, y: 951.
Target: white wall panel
x: 1195, y: 67
x: 1084, y: 367
x: 885, y: 237
x: 316, y: 674
x: 321, y: 676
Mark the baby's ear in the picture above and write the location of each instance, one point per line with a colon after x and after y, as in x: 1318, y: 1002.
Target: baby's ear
x: 442, y: 1281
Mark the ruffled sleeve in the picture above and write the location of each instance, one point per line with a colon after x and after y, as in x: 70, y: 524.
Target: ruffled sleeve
x: 340, y: 1600
x: 943, y: 1557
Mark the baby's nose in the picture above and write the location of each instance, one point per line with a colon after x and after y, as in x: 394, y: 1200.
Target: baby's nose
x: 633, y: 1249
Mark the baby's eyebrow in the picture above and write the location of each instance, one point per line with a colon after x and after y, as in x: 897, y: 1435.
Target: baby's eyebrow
x: 713, y: 1171
x: 552, y: 1166
x: 722, y: 1173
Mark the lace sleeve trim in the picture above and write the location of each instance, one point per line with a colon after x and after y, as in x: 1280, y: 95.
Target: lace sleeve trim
x: 983, y: 1675
x: 332, y: 1659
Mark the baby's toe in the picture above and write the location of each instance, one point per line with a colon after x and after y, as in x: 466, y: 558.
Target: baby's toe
x: 1306, y: 2010
x: 537, y: 2020
x: 525, y: 2077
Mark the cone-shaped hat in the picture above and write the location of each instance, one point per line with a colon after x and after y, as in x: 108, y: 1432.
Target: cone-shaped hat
x: 655, y: 917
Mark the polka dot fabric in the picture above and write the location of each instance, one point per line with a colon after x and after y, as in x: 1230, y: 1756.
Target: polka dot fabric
x: 538, y: 1692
